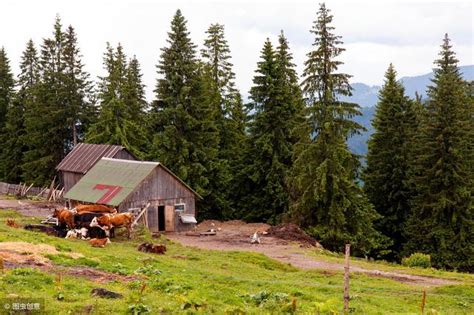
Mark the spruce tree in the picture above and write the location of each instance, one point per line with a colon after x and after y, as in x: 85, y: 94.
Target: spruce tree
x: 121, y: 104
x: 80, y: 110
x: 62, y: 106
x: 275, y: 104
x: 291, y: 91
x: 184, y: 115
x: 388, y: 161
x: 7, y: 85
x: 216, y: 56
x: 237, y: 125
x: 45, y: 120
x: 135, y: 91
x: 327, y: 199
x: 441, y: 223
x: 13, y: 142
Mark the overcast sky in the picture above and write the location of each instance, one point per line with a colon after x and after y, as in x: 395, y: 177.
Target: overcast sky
x: 375, y: 33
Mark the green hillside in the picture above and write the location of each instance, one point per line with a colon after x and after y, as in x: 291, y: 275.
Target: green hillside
x: 190, y: 280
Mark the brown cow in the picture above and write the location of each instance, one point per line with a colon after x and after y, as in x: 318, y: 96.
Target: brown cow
x: 110, y: 221
x: 64, y: 216
x: 99, y: 242
x: 94, y: 208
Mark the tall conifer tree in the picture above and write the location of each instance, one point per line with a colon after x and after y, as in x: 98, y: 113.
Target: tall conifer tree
x: 13, y: 143
x: 80, y: 109
x: 442, y: 220
x: 62, y: 106
x: 121, y: 105
x: 327, y: 198
x: 275, y: 105
x: 388, y: 160
x: 45, y: 120
x: 7, y: 85
x: 184, y: 116
x: 216, y: 56
x: 135, y: 90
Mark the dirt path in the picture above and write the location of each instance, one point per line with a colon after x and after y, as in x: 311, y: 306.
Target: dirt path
x: 29, y: 207
x: 290, y: 253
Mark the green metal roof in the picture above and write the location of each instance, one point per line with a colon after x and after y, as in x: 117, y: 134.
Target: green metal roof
x: 110, y: 181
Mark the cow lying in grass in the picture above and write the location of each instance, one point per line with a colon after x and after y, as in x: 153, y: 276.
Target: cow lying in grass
x: 110, y: 221
x: 99, y: 242
x: 77, y: 233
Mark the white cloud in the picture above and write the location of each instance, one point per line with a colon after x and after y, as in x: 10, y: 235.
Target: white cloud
x: 407, y: 33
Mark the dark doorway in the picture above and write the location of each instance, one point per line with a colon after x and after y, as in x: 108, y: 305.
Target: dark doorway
x: 161, y: 218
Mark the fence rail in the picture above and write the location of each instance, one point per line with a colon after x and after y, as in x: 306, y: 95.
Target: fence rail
x: 24, y: 190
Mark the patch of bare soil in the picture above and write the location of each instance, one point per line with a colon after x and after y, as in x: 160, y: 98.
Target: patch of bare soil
x: 236, y: 236
x: 291, y: 232
x: 23, y: 254
x: 236, y: 227
x: 28, y: 253
x: 94, y: 274
x: 29, y: 207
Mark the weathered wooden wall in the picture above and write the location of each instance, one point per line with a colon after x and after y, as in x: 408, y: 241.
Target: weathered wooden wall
x: 124, y: 155
x: 161, y: 188
x: 70, y: 179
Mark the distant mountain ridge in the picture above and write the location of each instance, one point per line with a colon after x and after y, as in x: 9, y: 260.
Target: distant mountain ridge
x: 367, y: 96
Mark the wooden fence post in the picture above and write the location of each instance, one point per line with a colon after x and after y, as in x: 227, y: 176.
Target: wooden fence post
x: 423, y: 302
x: 346, y: 279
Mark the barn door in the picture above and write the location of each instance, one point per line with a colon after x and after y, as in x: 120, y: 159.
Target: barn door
x: 169, y: 218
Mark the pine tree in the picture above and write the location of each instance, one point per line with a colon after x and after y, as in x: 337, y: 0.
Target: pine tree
x: 121, y: 104
x: 183, y: 116
x: 7, y: 85
x: 135, y: 91
x: 237, y: 125
x: 80, y: 110
x: 442, y: 219
x: 216, y: 56
x: 292, y: 94
x: 45, y: 120
x: 62, y: 106
x: 327, y: 199
x: 13, y: 143
x: 275, y: 105
x: 388, y: 161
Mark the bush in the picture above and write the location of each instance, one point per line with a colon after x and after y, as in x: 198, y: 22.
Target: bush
x: 136, y: 309
x: 417, y: 260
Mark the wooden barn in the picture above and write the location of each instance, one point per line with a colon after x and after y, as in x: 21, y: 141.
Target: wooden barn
x: 127, y: 185
x: 83, y: 157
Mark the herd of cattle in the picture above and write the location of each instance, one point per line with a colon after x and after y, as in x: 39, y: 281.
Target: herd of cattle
x: 95, y: 222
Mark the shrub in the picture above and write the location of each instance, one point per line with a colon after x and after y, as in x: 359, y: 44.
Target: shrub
x: 417, y: 260
x: 136, y: 309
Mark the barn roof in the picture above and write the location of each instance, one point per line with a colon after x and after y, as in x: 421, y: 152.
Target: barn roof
x: 85, y: 155
x: 111, y: 181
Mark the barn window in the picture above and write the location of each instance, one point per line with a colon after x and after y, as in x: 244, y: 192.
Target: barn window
x: 179, y: 207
